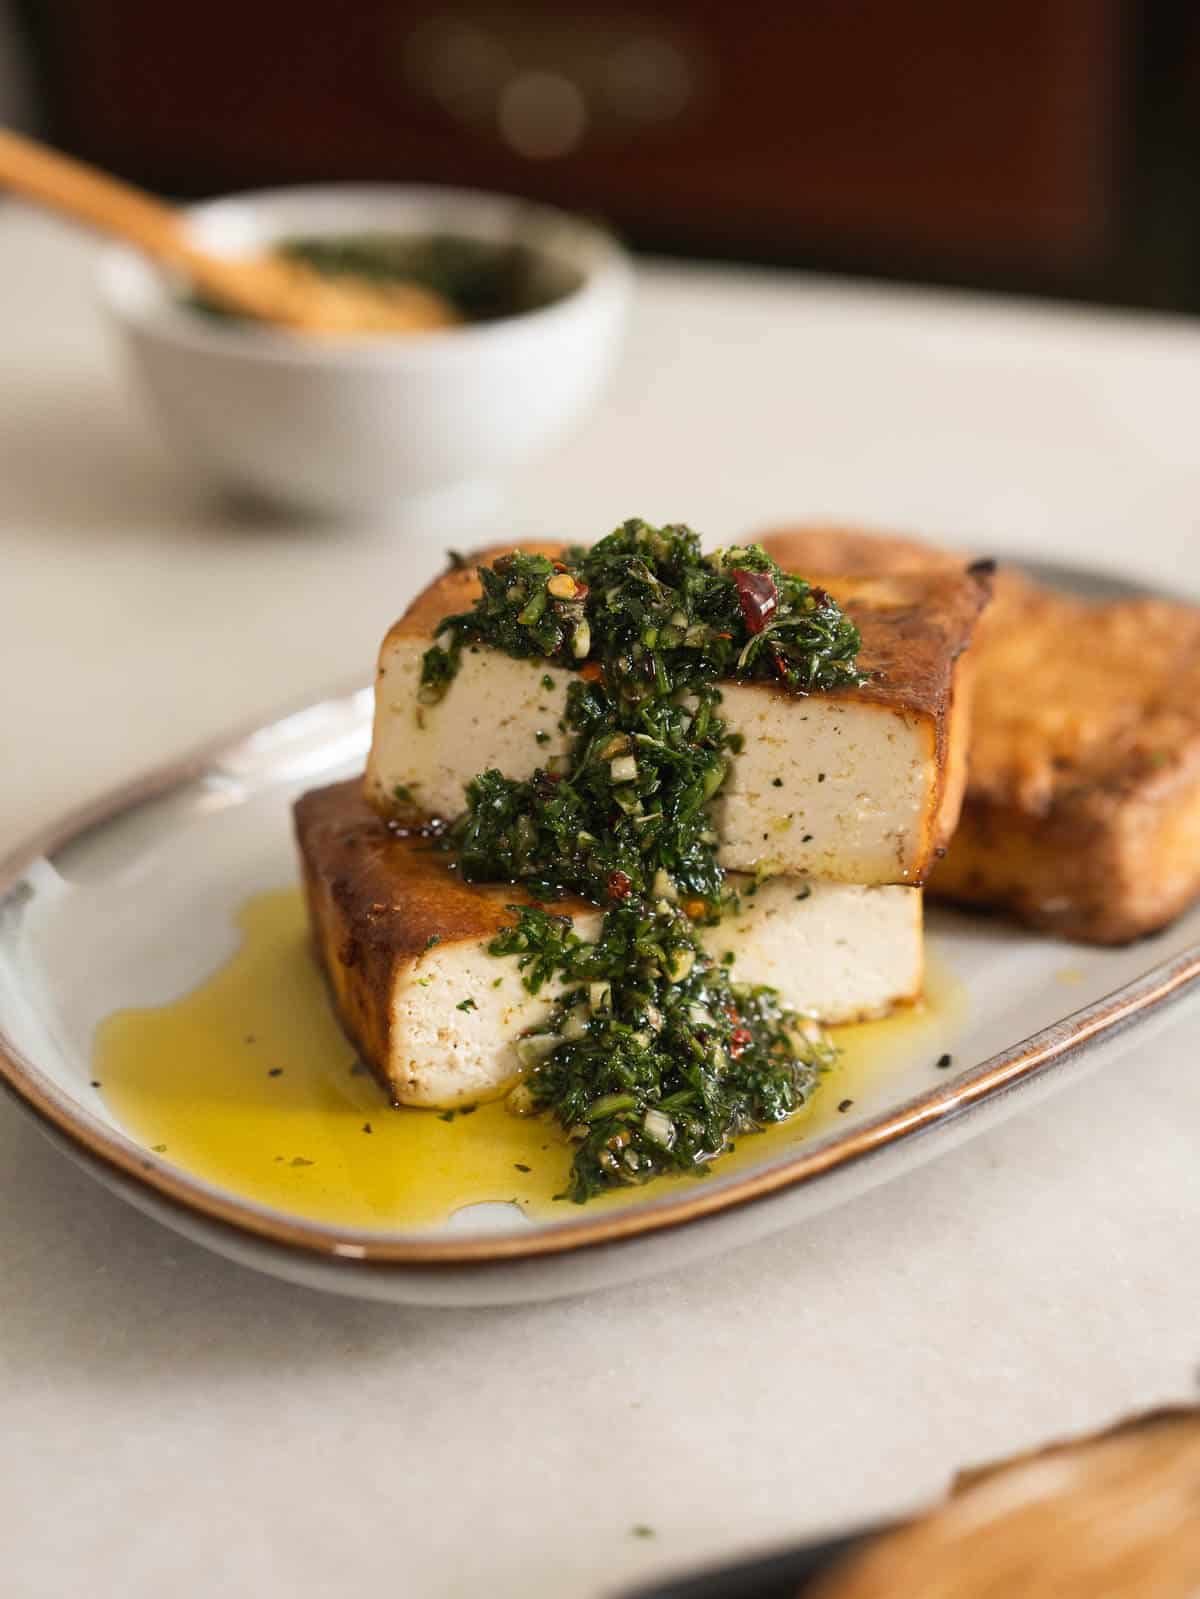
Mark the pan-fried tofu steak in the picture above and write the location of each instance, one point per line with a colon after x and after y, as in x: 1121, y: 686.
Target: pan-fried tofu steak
x: 855, y: 785
x: 855, y: 552
x: 1082, y: 810
x: 403, y: 942
x: 1083, y: 815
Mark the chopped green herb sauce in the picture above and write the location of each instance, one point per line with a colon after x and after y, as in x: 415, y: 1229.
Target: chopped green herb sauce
x: 657, y: 615
x: 653, y: 1058
x: 482, y: 279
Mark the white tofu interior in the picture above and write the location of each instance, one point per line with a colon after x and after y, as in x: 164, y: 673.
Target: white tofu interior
x: 492, y: 715
x: 823, y: 787
x: 836, y: 951
x: 441, y: 1055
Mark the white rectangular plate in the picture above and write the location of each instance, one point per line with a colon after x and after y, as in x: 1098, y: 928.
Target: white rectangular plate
x: 134, y: 903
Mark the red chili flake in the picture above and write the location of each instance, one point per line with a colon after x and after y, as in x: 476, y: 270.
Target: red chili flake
x: 758, y: 597
x: 591, y: 671
x: 619, y: 885
x: 739, y: 1040
x: 733, y: 1013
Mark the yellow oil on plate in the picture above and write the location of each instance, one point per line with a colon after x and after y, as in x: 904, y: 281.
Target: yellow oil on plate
x: 249, y: 1082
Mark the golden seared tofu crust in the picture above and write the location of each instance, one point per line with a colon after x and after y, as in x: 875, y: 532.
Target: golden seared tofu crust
x: 854, y: 551
x: 1083, y: 808
x: 398, y: 934
x: 892, y: 750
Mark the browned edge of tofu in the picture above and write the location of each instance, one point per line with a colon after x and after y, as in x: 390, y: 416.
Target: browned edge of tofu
x: 1101, y: 868
x: 1082, y: 809
x: 351, y: 861
x: 856, y: 551
x: 915, y: 626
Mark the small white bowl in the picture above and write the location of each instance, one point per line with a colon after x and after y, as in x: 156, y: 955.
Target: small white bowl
x: 422, y: 427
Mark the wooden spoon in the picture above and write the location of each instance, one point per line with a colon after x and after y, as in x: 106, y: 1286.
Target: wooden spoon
x: 266, y: 286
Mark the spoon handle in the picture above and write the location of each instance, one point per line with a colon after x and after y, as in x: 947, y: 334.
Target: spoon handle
x: 88, y: 195
x: 260, y: 284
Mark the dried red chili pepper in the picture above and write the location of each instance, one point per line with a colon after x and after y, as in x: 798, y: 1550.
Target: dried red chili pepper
x: 619, y: 885
x: 758, y: 597
x: 739, y: 1041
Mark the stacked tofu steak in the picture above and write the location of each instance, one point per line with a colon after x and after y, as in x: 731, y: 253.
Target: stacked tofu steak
x: 832, y: 814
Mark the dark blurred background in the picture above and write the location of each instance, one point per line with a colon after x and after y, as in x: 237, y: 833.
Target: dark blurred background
x: 1030, y: 145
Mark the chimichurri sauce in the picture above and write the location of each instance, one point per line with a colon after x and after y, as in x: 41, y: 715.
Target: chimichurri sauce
x: 654, y: 1057
x: 482, y: 280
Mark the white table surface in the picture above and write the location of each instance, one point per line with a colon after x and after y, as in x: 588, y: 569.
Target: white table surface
x: 171, y: 1423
